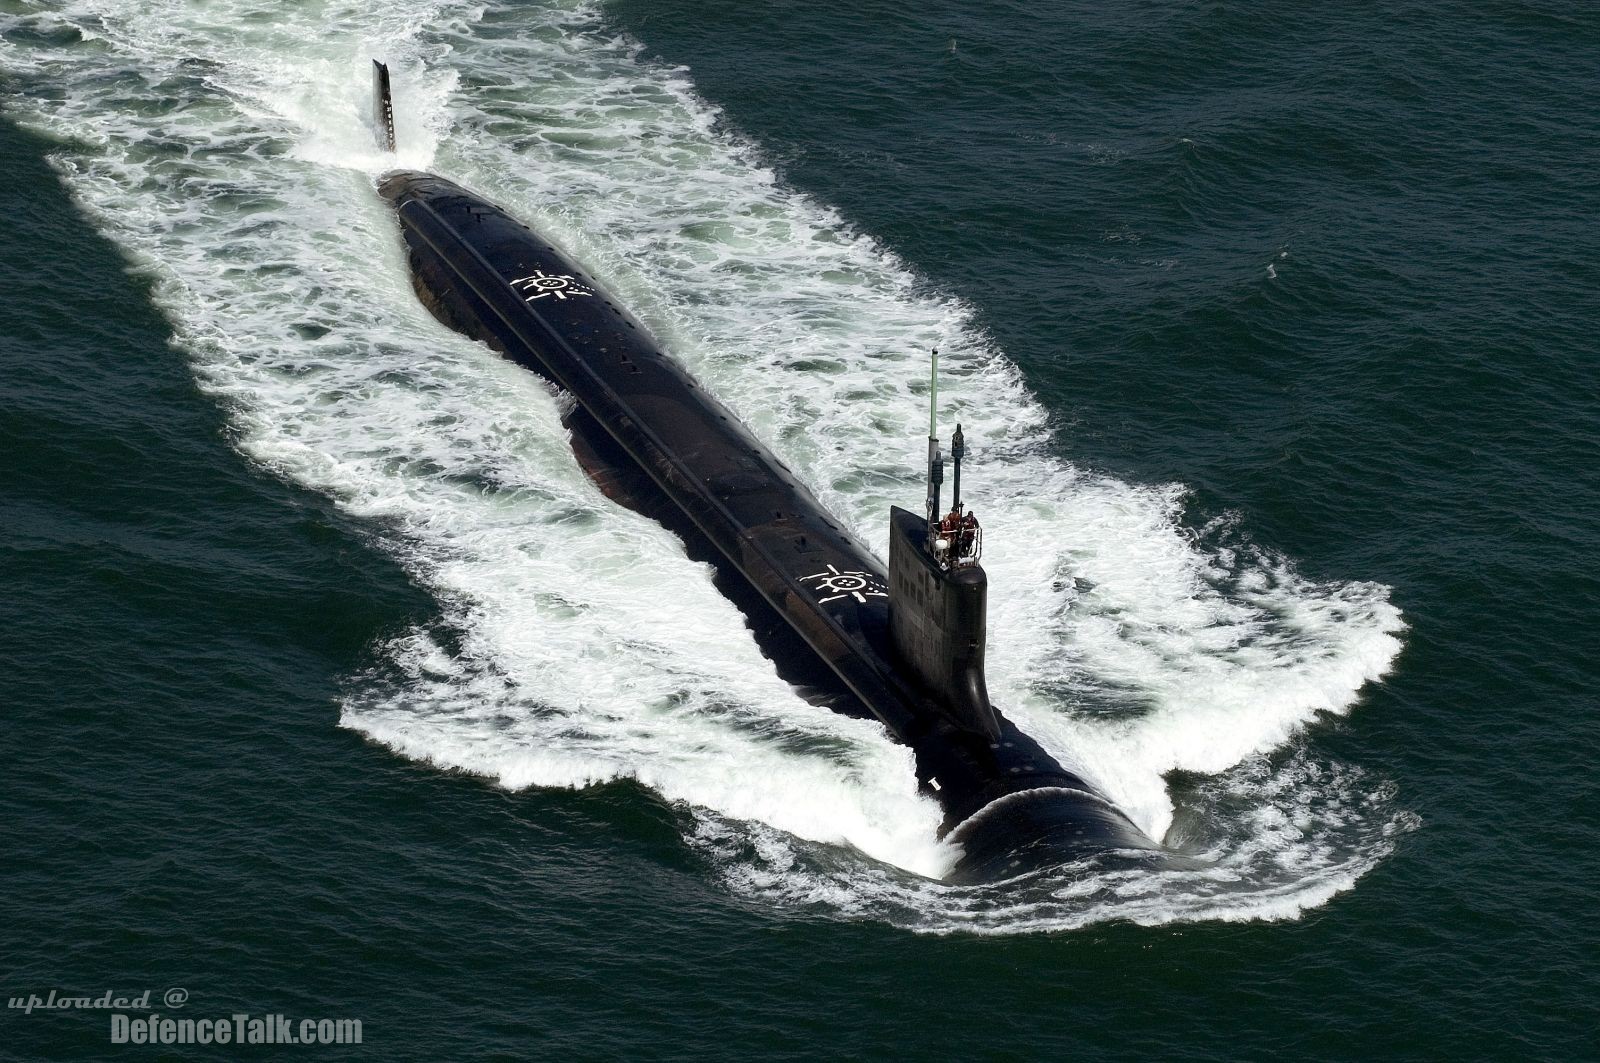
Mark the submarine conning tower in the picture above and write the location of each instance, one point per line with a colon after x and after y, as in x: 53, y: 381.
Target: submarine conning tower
x: 938, y: 591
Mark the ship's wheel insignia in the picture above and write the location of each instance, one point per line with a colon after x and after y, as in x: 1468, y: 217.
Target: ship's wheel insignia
x: 833, y: 585
x: 541, y: 284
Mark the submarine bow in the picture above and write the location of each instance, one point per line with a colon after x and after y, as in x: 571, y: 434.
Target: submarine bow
x: 907, y: 642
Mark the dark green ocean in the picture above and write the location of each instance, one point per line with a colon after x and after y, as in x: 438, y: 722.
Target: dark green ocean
x: 333, y: 689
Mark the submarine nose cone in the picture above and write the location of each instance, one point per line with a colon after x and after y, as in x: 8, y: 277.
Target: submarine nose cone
x: 1032, y: 830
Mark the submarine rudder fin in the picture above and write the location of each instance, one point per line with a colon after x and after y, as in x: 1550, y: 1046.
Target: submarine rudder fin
x: 382, y: 107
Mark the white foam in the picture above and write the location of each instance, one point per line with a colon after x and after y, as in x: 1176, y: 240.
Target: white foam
x: 230, y: 154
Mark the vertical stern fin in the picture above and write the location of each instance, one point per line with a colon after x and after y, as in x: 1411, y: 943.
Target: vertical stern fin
x: 382, y: 106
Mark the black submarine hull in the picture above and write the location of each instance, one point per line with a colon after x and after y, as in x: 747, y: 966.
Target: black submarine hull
x: 490, y: 277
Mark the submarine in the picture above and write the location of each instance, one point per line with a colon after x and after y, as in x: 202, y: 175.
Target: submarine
x: 903, y: 644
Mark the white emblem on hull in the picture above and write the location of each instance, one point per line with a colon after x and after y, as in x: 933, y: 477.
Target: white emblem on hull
x: 541, y: 284
x: 834, y: 585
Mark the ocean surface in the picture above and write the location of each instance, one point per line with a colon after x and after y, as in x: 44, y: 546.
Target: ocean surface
x: 333, y: 688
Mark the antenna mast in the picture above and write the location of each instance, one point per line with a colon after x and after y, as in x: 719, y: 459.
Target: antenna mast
x: 958, y: 447
x: 935, y: 460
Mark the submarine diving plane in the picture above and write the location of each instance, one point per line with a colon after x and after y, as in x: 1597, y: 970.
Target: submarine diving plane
x: 906, y: 642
